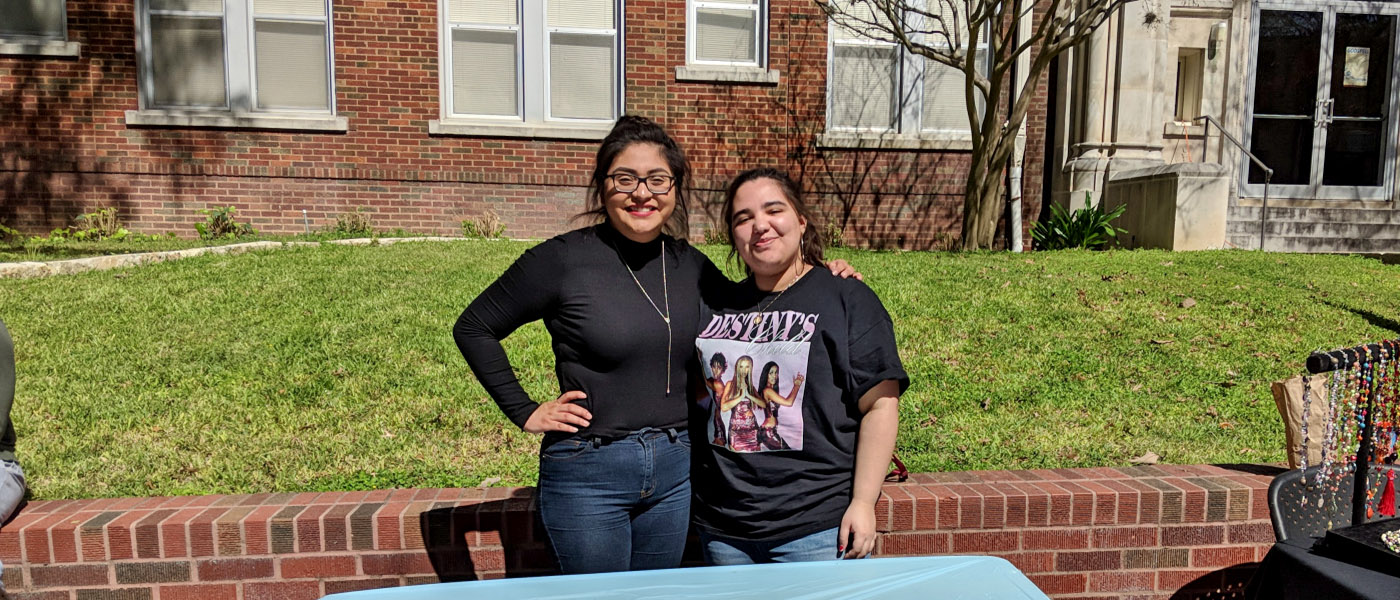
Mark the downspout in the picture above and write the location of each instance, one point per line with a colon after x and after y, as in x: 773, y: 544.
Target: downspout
x: 1018, y: 154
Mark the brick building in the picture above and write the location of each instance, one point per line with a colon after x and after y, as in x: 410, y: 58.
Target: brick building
x: 427, y: 113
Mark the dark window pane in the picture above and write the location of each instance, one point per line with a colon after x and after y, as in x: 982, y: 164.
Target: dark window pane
x: 1286, y: 74
x: 1354, y: 153
x: 1365, y: 41
x: 1286, y: 146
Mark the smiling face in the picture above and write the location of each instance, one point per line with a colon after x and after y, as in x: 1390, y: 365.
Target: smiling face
x: 767, y: 231
x: 640, y: 214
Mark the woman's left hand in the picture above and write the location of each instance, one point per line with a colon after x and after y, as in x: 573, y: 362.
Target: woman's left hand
x: 857, y: 528
x: 844, y: 270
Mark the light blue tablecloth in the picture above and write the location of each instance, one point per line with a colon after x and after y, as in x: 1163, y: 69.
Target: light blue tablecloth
x: 927, y: 577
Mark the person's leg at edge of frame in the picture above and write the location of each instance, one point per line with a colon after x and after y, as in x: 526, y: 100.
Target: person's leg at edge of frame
x: 11, y: 496
x: 586, y: 493
x: 659, y: 531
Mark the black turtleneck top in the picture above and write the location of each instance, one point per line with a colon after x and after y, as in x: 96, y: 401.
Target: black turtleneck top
x: 609, y: 342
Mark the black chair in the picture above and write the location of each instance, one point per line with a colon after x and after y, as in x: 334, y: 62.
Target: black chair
x: 1302, y: 509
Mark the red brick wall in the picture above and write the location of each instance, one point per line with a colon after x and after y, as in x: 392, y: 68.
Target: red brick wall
x: 1140, y: 532
x: 65, y: 147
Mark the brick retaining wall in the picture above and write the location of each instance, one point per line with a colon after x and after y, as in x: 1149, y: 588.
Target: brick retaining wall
x: 1138, y: 532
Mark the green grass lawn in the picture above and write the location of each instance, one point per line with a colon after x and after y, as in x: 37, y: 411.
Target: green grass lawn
x: 332, y: 367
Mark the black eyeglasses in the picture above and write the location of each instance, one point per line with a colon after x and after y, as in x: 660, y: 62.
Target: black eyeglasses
x: 656, y: 184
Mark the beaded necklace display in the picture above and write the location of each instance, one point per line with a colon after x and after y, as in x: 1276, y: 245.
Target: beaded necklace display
x: 666, y: 300
x: 1363, y: 392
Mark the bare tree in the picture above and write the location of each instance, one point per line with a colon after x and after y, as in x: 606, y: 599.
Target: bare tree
x: 951, y: 32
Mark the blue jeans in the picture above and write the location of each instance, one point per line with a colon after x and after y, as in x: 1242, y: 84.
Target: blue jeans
x: 721, y: 550
x: 620, y: 505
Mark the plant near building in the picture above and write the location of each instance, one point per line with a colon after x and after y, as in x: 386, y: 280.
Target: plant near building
x: 835, y: 235
x: 714, y: 235
x: 10, y: 235
x: 1089, y: 228
x: 355, y: 222
x: 485, y: 227
x: 219, y: 223
x: 1003, y: 34
x: 101, y: 224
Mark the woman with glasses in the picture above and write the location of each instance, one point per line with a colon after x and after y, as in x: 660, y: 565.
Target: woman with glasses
x: 802, y: 487
x: 620, y: 301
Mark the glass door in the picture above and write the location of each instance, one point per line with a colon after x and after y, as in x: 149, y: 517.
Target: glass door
x: 1322, y: 110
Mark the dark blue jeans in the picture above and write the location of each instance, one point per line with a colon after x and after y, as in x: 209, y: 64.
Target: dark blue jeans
x: 621, y: 505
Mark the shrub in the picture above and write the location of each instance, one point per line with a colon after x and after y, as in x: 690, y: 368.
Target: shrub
x: 357, y: 222
x: 835, y: 235
x: 219, y: 223
x: 1089, y: 228
x: 486, y: 226
x: 10, y: 235
x: 98, y: 225
x: 715, y: 235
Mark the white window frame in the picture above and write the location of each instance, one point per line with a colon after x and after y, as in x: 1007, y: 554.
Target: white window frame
x: 532, y: 79
x: 41, y: 45
x: 760, y: 10
x: 907, y: 130
x: 240, y: 76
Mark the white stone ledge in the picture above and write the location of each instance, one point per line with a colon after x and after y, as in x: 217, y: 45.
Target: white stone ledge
x: 52, y: 48
x: 1177, y: 129
x: 556, y: 131
x: 722, y: 74
x: 169, y: 118
x: 893, y: 141
x: 25, y: 270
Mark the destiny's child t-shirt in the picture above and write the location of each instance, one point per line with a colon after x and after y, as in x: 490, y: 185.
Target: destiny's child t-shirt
x: 775, y: 430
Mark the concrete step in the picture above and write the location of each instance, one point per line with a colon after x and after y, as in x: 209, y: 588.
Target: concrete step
x: 1326, y: 245
x: 1317, y: 229
x: 1316, y: 215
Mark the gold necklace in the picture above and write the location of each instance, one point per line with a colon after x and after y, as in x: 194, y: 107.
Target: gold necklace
x: 666, y: 299
x: 800, y: 272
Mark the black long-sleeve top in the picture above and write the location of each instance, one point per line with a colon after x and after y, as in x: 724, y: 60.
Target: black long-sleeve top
x: 609, y: 342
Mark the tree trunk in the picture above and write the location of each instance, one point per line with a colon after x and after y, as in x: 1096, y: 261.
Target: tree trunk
x: 984, y: 202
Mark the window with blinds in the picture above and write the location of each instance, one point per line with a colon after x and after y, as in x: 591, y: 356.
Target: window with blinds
x: 32, y: 19
x: 290, y: 54
x: 242, y: 56
x: 530, y: 61
x: 581, y: 37
x: 875, y: 86
x: 729, y: 33
x: 186, y: 54
x: 484, y: 50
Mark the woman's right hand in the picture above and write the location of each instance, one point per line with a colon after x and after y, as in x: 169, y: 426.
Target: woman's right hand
x: 560, y: 414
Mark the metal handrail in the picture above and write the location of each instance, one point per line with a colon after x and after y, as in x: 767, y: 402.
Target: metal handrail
x: 1268, y: 173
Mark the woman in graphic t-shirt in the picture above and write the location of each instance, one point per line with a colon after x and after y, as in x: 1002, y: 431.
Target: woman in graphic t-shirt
x: 831, y: 344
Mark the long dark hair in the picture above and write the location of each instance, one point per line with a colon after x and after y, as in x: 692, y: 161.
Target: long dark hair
x: 813, y: 244
x: 628, y: 130
x: 763, y: 379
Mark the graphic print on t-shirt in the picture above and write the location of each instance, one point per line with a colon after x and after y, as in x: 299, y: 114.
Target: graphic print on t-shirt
x: 755, y: 365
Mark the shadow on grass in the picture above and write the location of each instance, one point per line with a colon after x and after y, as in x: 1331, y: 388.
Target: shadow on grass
x: 1252, y: 469
x: 1370, y: 317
